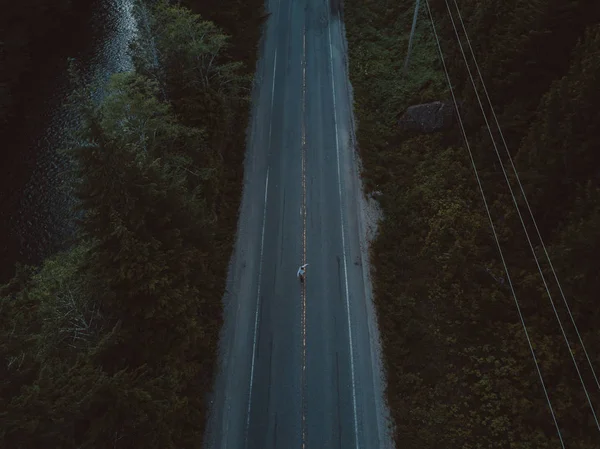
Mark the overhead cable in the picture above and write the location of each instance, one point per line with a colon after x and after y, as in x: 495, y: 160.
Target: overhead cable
x: 494, y: 229
x: 525, y: 198
x: 519, y: 213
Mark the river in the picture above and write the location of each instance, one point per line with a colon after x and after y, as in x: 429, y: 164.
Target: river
x: 36, y: 218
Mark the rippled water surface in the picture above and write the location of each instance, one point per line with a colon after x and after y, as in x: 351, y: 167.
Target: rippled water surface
x: 35, y: 206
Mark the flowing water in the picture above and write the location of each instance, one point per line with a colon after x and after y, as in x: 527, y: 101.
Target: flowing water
x: 36, y: 218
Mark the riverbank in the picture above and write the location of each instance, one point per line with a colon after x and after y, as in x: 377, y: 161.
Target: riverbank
x: 36, y: 220
x: 32, y: 33
x: 458, y: 366
x: 114, y: 342
x: 33, y: 37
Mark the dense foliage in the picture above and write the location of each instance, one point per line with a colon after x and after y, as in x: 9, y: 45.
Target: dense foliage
x: 113, y: 342
x: 460, y: 372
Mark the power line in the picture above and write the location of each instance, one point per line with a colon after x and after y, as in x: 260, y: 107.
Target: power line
x: 525, y: 198
x: 519, y: 213
x: 493, y: 227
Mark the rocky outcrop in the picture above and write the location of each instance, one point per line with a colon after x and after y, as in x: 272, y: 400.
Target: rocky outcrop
x: 428, y: 117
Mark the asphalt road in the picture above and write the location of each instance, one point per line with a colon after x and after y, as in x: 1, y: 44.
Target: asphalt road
x: 298, y: 365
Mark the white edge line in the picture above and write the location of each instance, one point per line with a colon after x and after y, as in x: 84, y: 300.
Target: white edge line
x: 262, y: 241
x: 337, y: 148
x: 272, y: 93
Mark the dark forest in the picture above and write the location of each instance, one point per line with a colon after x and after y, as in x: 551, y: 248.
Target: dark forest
x: 459, y: 369
x: 113, y: 343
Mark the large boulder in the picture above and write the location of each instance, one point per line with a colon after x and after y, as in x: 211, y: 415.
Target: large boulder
x: 428, y: 117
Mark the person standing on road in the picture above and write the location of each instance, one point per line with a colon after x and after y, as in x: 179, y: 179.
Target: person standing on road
x: 301, y: 272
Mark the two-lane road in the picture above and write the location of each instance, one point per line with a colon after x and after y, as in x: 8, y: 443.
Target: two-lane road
x: 298, y: 368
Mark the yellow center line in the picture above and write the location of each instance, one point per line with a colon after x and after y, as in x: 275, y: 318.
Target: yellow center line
x: 303, y: 292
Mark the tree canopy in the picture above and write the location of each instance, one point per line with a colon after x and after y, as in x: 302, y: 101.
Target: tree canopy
x: 113, y: 342
x: 459, y: 369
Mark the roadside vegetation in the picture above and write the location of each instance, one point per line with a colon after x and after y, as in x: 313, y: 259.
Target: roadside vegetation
x: 459, y: 369
x: 113, y: 343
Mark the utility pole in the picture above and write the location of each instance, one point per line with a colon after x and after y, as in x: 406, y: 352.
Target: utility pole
x: 412, y: 32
